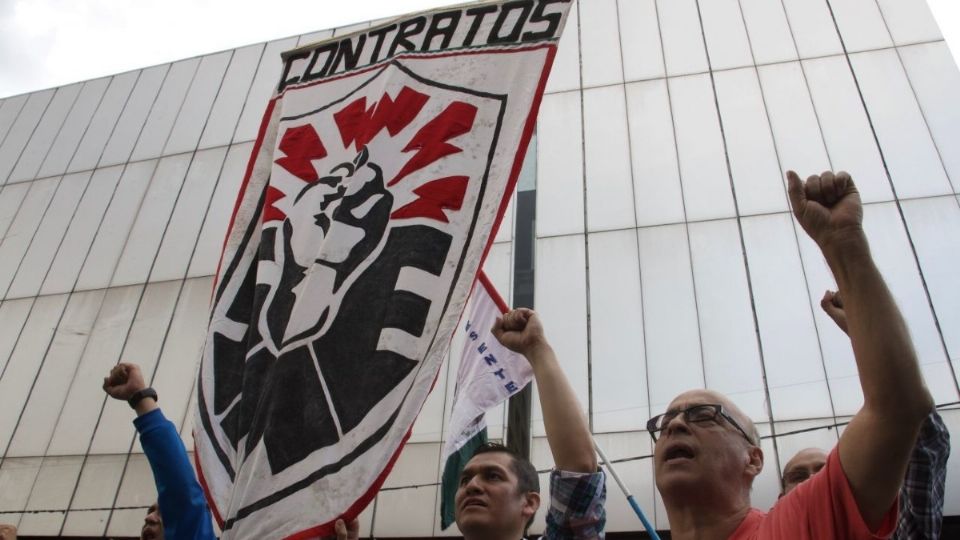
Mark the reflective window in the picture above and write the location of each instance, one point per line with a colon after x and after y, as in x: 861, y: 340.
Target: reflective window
x: 768, y: 30
x: 559, y: 166
x: 197, y: 105
x: 19, y: 133
x: 44, y: 133
x: 101, y: 126
x: 725, y: 34
x: 750, y: 149
x: 640, y: 38
x: 65, y: 145
x: 609, y: 181
x: 265, y: 82
x: 682, y: 37
x: 908, y: 150
x: 127, y: 130
x: 223, y: 118
x: 600, y: 47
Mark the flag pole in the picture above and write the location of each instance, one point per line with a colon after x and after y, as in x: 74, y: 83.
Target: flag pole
x: 633, y: 503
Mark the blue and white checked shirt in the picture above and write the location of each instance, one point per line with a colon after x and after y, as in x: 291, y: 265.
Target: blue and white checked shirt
x: 576, y: 506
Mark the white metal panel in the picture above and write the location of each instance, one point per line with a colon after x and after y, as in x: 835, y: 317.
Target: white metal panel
x: 198, y: 103
x: 750, y: 149
x: 98, y: 482
x: 99, y: 265
x: 507, y: 224
x: 85, y: 522
x: 152, y: 220
x: 796, y: 129
x: 102, y: 125
x: 499, y: 268
x: 72, y: 252
x: 891, y: 251
x: 861, y: 25
x: 559, y: 166
x: 725, y: 33
x: 14, y: 314
x: 794, y: 367
x: 428, y: 427
x: 142, y: 346
x: 565, y: 73
x: 9, y: 110
x: 233, y: 92
x: 909, y: 21
x: 126, y: 522
x: 86, y: 397
x: 10, y: 198
x: 74, y: 127
x: 210, y: 243
x: 136, y: 489
x: 683, y: 47
x: 731, y: 358
x: 60, y: 361
x: 936, y: 80
x: 50, y: 234
x: 181, y: 235
x: 640, y: 40
x: 637, y: 474
x: 128, y: 128
x: 934, y: 226
x: 600, y: 44
x: 22, y: 130
x: 17, y: 477
x: 409, y: 512
x: 45, y: 132
x: 165, y: 109
x: 618, y: 375
x: 812, y: 28
x: 21, y: 371
x: 671, y: 329
x: 908, y: 150
x: 264, y: 84
x: 606, y: 143
x: 51, y: 491
x: 24, y: 226
x: 657, y: 191
x: 769, y: 31
x: 703, y: 167
x: 845, y: 127
x: 313, y: 37
x: 560, y: 289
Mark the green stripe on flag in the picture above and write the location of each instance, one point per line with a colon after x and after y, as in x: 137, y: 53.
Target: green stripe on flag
x: 451, y: 476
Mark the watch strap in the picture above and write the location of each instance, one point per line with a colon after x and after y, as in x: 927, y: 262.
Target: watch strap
x: 140, y: 394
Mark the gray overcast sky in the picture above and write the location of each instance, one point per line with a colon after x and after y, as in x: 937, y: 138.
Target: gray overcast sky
x: 46, y: 43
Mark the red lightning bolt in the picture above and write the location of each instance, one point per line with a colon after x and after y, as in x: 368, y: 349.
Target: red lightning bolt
x: 271, y: 212
x: 434, y: 197
x: 359, y: 124
x: 300, y: 145
x: 431, y: 141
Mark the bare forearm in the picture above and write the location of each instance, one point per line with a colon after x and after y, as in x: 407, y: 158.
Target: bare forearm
x: 567, y: 430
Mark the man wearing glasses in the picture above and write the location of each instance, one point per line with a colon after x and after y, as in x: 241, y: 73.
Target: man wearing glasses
x: 707, y: 451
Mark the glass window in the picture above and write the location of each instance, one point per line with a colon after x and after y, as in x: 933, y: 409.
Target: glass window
x: 19, y: 134
x: 656, y: 175
x: 265, y: 82
x: 703, y: 164
x: 165, y: 108
x: 608, y: 177
x: 600, y: 44
x: 726, y: 36
x: 682, y: 37
x: 36, y: 262
x: 812, y: 28
x: 127, y: 130
x: 769, y: 31
x: 750, y: 149
x: 197, y: 105
x: 908, y: 150
x: 79, y: 236
x: 223, y: 118
x: 180, y: 238
x: 74, y: 127
x: 640, y: 39
x: 559, y: 166
x: 618, y: 375
x: 861, y: 25
x: 152, y: 220
x: 101, y: 126
x: 44, y: 133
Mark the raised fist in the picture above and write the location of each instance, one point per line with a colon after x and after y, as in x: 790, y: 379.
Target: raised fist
x: 827, y: 206
x: 519, y: 330
x: 123, y: 381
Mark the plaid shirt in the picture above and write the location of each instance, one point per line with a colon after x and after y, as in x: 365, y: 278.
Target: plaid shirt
x: 576, y: 506
x: 921, y: 498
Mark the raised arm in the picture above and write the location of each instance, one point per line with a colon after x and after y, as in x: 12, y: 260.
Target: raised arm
x: 569, y: 436
x: 875, y: 447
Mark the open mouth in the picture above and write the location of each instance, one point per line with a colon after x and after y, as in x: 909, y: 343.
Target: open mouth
x: 677, y: 452
x: 472, y: 502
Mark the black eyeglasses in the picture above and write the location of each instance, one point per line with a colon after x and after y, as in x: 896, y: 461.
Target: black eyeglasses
x: 696, y: 414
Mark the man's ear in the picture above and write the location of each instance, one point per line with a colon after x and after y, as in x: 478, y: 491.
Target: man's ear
x: 754, y: 461
x: 531, y: 503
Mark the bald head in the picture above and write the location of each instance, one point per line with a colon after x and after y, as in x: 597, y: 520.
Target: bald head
x: 691, y: 397
x: 801, y: 467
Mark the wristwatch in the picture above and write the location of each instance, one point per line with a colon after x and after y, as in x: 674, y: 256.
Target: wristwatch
x: 140, y: 394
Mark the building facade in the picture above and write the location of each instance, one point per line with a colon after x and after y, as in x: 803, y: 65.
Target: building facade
x: 651, y: 229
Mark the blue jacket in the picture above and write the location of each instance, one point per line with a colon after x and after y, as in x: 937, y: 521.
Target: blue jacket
x: 183, y: 507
